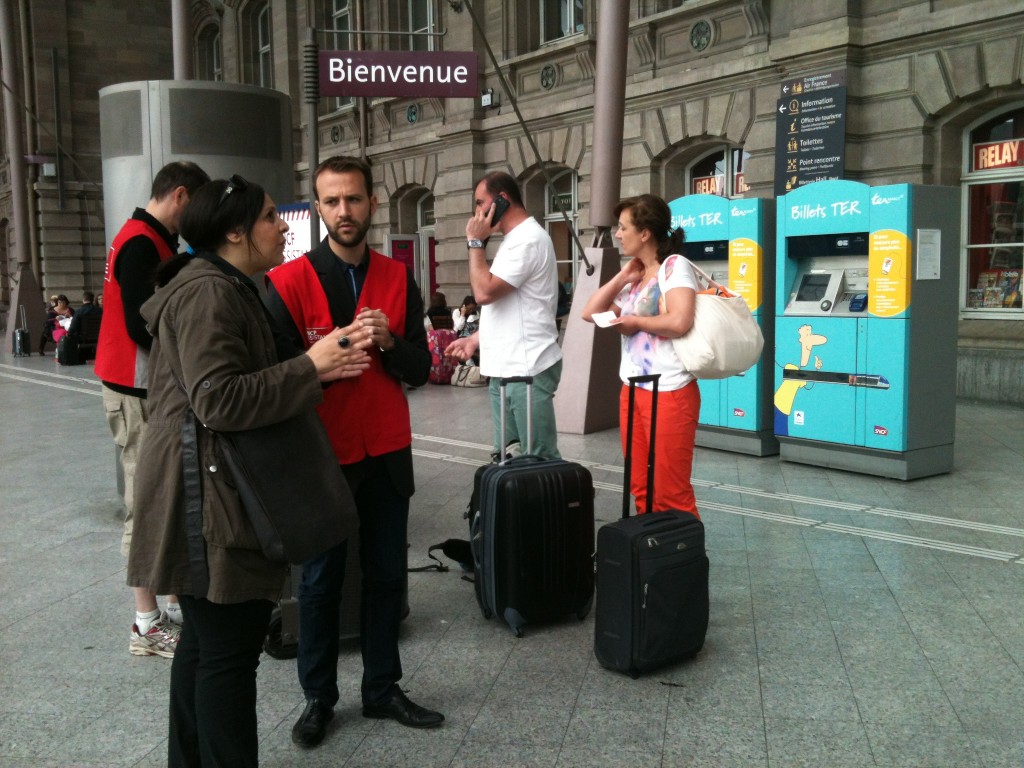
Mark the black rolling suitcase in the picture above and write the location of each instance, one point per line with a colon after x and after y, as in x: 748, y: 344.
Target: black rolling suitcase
x: 652, y: 578
x: 531, y: 529
x: 20, y: 346
x: 68, y: 352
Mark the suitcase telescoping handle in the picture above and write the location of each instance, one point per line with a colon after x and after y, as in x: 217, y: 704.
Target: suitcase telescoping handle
x: 502, y: 383
x: 628, y: 465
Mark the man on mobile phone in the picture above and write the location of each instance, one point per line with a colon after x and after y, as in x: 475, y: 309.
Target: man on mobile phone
x: 518, y: 296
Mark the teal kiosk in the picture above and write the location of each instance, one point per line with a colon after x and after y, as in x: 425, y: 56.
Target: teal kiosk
x: 866, y: 327
x: 732, y: 240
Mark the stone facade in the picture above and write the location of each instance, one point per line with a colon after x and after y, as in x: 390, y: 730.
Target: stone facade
x: 918, y: 75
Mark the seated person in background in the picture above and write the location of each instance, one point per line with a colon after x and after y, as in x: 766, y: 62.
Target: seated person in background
x: 466, y: 319
x: 88, y: 307
x: 64, y: 314
x: 49, y: 324
x: 438, y: 313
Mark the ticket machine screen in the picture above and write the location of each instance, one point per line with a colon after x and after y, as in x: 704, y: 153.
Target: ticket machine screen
x: 813, y: 287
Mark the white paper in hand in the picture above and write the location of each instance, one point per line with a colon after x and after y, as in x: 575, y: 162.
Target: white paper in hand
x: 605, y: 319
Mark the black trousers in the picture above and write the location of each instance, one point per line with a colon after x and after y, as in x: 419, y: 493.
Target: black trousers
x: 383, y: 523
x: 213, y: 684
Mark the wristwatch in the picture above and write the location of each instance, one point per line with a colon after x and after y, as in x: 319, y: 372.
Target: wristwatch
x: 474, y: 243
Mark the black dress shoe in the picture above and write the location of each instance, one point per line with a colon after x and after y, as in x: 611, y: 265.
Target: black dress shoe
x: 309, y: 729
x: 398, y: 707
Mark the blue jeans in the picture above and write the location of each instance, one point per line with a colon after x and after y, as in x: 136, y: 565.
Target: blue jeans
x: 383, y: 522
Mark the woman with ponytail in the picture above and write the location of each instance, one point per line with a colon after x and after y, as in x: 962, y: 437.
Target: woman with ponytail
x: 214, y: 355
x: 653, y: 298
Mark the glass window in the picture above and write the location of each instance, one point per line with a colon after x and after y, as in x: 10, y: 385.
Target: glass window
x: 208, y: 60
x: 425, y: 212
x: 265, y: 64
x: 994, y: 205
x: 339, y: 38
x: 562, y: 191
x: 560, y: 18
x: 651, y: 7
x: 421, y: 19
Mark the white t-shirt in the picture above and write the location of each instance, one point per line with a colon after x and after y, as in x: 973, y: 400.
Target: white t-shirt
x: 646, y: 353
x: 518, y: 335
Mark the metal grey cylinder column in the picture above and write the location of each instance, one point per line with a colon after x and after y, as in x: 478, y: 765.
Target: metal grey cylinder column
x: 15, y: 137
x: 609, y: 110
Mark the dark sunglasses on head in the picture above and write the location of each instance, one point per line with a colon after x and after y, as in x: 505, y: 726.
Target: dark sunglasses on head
x: 236, y: 182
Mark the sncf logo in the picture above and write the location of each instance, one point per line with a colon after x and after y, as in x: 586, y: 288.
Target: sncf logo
x: 881, y: 431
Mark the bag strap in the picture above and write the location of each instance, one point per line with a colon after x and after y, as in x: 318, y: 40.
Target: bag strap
x: 437, y: 565
x: 628, y: 465
x: 193, y: 483
x: 712, y: 284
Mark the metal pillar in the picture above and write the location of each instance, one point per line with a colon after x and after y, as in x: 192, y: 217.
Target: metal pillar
x: 25, y: 290
x: 181, y: 38
x: 587, y: 397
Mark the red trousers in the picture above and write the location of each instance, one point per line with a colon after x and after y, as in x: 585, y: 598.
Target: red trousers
x: 678, y: 411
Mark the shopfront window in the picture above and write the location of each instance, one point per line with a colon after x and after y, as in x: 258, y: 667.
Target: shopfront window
x: 994, y: 205
x: 720, y: 173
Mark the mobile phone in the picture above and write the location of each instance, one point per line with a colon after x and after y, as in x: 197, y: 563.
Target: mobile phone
x: 501, y: 204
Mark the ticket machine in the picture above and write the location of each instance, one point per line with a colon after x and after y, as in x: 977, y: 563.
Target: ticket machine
x: 732, y: 240
x: 866, y: 326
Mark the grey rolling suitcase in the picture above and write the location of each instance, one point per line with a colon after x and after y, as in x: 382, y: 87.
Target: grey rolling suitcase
x: 531, y: 532
x: 652, y: 578
x: 20, y: 345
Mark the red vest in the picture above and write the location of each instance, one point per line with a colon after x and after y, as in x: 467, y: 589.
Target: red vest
x: 119, y: 359
x: 367, y: 415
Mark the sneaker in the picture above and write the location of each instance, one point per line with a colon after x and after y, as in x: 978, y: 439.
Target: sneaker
x: 161, y: 640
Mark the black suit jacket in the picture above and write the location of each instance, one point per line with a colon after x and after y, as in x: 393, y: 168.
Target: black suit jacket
x: 409, y: 361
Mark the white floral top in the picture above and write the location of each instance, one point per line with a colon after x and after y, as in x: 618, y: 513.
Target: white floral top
x: 646, y: 353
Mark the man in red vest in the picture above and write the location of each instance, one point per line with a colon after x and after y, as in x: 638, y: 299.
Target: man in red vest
x: 149, y: 237
x: 340, y: 282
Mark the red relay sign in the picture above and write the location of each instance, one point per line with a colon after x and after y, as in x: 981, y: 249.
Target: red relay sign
x: 998, y: 154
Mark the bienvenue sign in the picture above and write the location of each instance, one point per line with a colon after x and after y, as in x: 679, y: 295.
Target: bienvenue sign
x: 398, y: 73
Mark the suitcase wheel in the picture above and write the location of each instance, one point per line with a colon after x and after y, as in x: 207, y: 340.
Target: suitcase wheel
x: 274, y: 644
x: 515, y: 621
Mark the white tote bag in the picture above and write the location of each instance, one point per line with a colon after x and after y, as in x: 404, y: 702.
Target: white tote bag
x: 725, y: 339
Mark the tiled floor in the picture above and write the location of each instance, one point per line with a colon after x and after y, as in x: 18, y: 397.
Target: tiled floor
x: 855, y: 621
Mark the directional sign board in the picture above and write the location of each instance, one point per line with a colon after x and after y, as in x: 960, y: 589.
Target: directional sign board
x: 810, y: 130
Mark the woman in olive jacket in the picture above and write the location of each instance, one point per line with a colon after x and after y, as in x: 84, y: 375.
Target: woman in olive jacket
x: 214, y: 354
